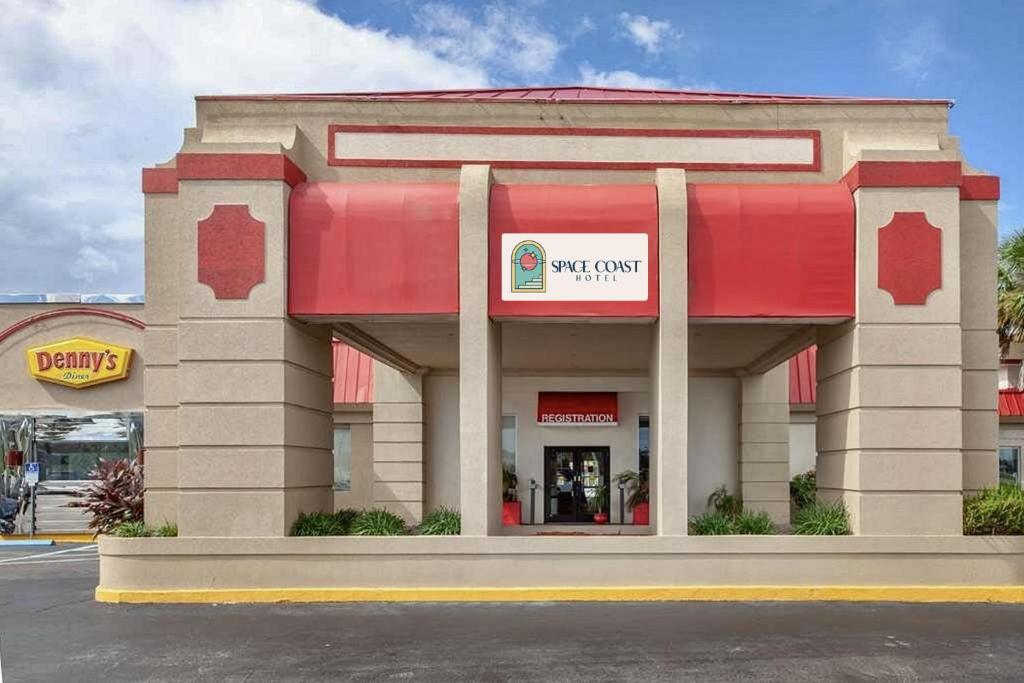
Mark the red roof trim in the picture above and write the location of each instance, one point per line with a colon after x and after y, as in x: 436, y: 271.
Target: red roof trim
x: 1011, y: 403
x: 353, y: 375
x: 239, y: 167
x: 803, y: 387
x: 979, y: 188
x: 577, y: 93
x: 903, y: 174
x: 160, y: 181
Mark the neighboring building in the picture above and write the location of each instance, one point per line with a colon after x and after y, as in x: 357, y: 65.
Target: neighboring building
x: 67, y: 430
x: 568, y: 283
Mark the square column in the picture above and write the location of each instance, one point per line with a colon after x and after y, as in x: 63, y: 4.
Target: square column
x: 669, y: 362
x: 890, y: 431
x: 398, y: 442
x: 479, y: 363
x: 978, y: 246
x: 764, y: 443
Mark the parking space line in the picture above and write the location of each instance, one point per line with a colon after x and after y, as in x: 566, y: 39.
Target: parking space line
x: 11, y: 560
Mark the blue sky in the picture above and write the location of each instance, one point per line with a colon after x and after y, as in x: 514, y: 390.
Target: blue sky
x: 95, y: 90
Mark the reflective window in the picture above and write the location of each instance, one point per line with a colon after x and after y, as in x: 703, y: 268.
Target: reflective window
x: 1009, y: 464
x: 644, y: 439
x: 342, y: 458
x: 508, y: 442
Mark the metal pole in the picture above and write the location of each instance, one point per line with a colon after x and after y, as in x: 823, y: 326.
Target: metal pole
x: 32, y: 518
x: 622, y: 504
x: 533, y: 499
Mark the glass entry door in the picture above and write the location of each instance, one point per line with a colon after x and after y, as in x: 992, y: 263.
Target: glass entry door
x: 576, y: 483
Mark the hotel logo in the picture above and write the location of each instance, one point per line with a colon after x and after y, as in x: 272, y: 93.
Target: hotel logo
x: 529, y: 268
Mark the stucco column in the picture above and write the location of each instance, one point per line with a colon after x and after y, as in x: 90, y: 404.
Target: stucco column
x: 479, y: 364
x: 978, y: 244
x: 764, y: 443
x: 398, y: 442
x: 669, y: 363
x: 254, y: 386
x: 889, y: 431
x: 160, y: 392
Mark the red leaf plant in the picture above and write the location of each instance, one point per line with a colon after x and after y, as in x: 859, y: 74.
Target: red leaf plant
x: 115, y: 495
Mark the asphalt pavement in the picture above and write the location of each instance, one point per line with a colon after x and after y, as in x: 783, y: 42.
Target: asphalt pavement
x: 52, y: 630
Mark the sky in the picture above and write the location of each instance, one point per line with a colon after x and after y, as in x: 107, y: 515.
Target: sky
x: 91, y: 91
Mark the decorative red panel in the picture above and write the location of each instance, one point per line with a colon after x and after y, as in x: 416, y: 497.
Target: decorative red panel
x: 231, y: 251
x: 909, y: 258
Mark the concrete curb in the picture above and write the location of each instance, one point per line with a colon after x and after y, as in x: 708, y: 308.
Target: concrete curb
x: 975, y: 594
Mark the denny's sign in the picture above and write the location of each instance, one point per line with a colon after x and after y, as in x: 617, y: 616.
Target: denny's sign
x: 79, y: 362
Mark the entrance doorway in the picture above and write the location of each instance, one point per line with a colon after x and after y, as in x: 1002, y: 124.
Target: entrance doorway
x: 576, y: 481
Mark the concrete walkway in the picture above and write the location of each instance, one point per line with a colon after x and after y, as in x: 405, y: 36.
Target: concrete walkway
x: 51, y: 629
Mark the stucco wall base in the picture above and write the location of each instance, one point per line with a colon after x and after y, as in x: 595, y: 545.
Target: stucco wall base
x: 472, y: 563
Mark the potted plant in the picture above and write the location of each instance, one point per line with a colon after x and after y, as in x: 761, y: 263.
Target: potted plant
x: 600, y: 506
x: 638, y: 486
x: 511, y: 507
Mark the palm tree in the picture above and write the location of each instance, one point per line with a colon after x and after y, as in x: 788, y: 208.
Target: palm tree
x: 1010, y: 290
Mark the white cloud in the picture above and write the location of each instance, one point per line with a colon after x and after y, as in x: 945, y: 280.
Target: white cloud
x: 648, y: 33
x: 621, y: 79
x: 93, y: 91
x: 584, y: 26
x: 914, y: 52
x: 503, y: 38
x: 90, y: 263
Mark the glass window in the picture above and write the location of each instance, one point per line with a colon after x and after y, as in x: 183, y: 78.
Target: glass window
x: 644, y: 439
x: 508, y: 442
x: 1009, y: 464
x: 342, y: 458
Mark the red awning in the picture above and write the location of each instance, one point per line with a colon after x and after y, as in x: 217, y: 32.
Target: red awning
x: 353, y: 375
x: 771, y: 251
x: 373, y: 249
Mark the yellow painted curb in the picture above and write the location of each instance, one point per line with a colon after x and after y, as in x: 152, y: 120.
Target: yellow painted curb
x: 56, y: 538
x: 1004, y: 594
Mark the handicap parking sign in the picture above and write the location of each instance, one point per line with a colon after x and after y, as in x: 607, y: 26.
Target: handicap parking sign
x: 31, y: 473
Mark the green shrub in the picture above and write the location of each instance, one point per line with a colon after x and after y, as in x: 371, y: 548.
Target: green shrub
x: 317, y: 524
x: 725, y: 503
x: 995, y: 511
x: 442, y: 522
x: 378, y: 523
x: 750, y: 522
x: 803, y: 489
x: 134, y: 529
x: 166, y: 530
x: 345, y: 517
x: 711, y: 524
x: 822, y: 519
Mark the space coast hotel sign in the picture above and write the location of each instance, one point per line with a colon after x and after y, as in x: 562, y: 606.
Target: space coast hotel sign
x: 574, y: 267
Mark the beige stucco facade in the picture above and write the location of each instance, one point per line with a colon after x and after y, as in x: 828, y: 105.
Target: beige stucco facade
x: 237, y: 392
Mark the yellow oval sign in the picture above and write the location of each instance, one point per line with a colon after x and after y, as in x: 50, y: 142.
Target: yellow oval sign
x: 79, y: 362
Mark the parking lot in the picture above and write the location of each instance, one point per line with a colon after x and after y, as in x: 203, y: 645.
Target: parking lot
x: 51, y: 629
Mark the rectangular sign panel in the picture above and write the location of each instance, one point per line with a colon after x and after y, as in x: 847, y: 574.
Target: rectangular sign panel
x: 574, y: 267
x: 593, y: 148
x: 592, y: 408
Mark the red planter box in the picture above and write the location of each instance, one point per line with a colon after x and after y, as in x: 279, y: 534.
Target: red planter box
x: 13, y: 459
x: 642, y: 514
x: 511, y: 513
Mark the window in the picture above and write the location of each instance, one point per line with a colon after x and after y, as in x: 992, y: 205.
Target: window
x: 508, y: 442
x: 644, y: 441
x: 1009, y: 464
x: 342, y: 458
